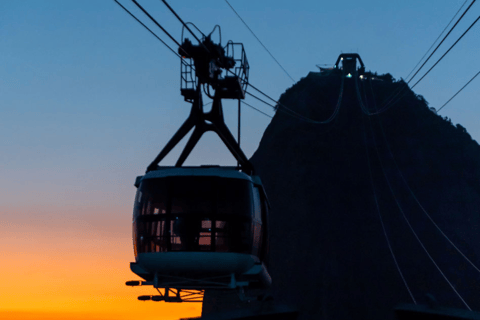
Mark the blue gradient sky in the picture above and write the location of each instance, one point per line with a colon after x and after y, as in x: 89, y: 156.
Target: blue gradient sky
x: 88, y: 97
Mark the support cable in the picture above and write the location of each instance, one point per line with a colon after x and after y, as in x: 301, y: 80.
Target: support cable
x: 389, y: 104
x: 381, y: 218
x: 253, y: 33
x: 193, y: 25
x: 437, y: 39
x: 459, y: 19
x: 410, y: 226
x: 453, y: 45
x: 391, y: 101
x: 297, y: 115
x: 158, y: 24
x: 458, y: 91
x: 249, y: 105
x: 399, y: 90
x: 373, y: 94
x: 273, y: 107
x: 185, y: 25
x: 174, y: 52
x: 292, y: 113
x: 134, y: 17
x: 418, y: 202
x: 359, y: 98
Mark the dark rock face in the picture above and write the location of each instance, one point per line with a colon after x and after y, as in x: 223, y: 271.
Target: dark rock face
x: 329, y: 255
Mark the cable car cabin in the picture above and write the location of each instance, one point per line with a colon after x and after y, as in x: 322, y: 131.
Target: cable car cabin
x: 199, y: 228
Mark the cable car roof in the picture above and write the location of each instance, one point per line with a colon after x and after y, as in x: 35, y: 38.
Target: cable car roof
x: 214, y: 171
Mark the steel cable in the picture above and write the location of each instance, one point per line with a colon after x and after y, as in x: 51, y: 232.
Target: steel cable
x: 444, y: 38
x: 458, y: 91
x: 381, y: 218
x: 415, y: 197
x: 437, y: 39
x: 411, y: 227
x: 253, y: 33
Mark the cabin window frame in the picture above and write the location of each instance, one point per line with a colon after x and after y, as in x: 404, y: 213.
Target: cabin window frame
x: 237, y: 232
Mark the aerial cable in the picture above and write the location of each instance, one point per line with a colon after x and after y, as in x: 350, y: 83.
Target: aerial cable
x: 397, y: 92
x: 459, y: 19
x: 359, y: 98
x: 389, y: 104
x: 186, y: 26
x: 381, y: 218
x: 410, y: 189
x: 295, y: 114
x: 133, y: 16
x: 251, y: 31
x: 436, y: 40
x: 191, y: 23
x: 276, y: 108
x: 453, y: 45
x: 418, y: 202
x: 373, y: 94
x: 261, y: 100
x: 158, y: 24
x: 392, y: 101
x: 173, y: 51
x: 281, y: 107
x: 458, y: 91
x: 410, y: 226
x: 248, y: 105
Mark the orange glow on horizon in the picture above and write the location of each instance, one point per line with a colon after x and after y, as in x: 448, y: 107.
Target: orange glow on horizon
x: 70, y: 270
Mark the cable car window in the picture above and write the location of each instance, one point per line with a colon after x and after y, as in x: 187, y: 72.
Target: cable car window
x: 159, y: 236
x: 205, y: 239
x: 257, y: 205
x: 222, y: 241
x: 182, y: 234
x: 197, y: 214
x: 152, y: 198
x: 234, y: 197
x: 192, y: 195
x: 257, y: 238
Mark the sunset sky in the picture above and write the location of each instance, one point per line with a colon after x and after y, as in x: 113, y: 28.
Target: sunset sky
x: 88, y: 98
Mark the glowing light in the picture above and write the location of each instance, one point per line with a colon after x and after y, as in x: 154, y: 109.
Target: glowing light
x: 349, y: 75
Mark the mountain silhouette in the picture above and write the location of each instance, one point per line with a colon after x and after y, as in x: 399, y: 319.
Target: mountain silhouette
x: 369, y: 210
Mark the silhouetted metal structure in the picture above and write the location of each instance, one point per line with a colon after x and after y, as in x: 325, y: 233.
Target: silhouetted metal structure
x: 197, y: 228
x: 349, y: 64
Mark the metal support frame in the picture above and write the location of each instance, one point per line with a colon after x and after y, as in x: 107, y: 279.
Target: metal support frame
x: 202, y: 122
x: 349, y: 61
x: 175, y: 295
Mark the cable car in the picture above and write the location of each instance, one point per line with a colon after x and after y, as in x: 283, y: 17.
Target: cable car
x: 200, y: 227
x: 197, y: 228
